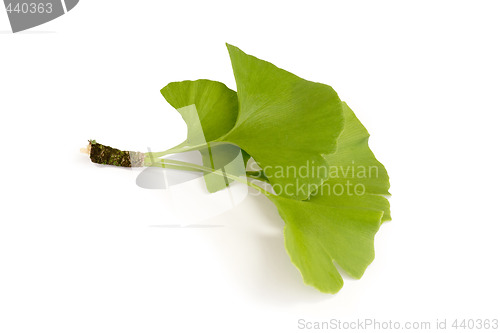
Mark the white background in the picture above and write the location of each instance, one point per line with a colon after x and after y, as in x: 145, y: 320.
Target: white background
x: 79, y: 247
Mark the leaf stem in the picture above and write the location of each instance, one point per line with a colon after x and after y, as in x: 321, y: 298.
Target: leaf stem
x: 186, y: 166
x: 182, y: 148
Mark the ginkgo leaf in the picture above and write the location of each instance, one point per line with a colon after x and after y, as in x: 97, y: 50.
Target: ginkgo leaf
x: 354, y: 168
x: 316, y: 235
x: 338, y: 224
x: 284, y: 122
x: 215, y: 108
x: 209, y: 109
x: 354, y: 159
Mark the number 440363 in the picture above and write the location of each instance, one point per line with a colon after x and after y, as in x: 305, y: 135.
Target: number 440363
x: 478, y: 324
x: 30, y: 8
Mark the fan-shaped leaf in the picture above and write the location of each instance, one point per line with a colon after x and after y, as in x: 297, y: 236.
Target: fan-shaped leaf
x: 339, y: 222
x: 284, y: 122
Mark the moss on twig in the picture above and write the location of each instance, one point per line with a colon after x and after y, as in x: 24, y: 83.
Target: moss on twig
x: 102, y: 154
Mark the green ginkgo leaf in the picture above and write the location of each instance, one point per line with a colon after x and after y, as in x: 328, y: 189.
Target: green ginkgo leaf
x: 328, y: 186
x: 209, y: 109
x: 339, y: 222
x: 285, y: 123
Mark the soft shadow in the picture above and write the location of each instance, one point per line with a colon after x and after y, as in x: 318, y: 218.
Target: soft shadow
x: 253, y: 250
